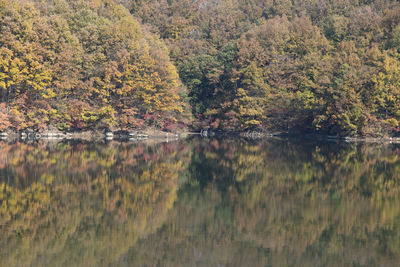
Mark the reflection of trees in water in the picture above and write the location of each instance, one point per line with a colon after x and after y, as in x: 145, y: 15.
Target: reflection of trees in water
x: 243, y: 203
x: 283, y: 203
x: 83, y: 204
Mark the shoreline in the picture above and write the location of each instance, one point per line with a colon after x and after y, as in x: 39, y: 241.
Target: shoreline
x: 93, y: 135
x: 153, y: 134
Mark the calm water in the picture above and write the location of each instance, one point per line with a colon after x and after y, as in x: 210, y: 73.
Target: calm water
x: 200, y: 202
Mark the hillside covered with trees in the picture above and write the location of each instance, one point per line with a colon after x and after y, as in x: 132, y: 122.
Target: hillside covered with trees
x: 318, y: 66
x: 82, y: 65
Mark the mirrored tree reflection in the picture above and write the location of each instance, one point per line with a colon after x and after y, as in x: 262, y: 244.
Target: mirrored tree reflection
x: 200, y: 202
x: 281, y: 203
x: 77, y: 204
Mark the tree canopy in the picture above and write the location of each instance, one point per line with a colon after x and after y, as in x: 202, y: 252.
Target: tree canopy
x: 314, y: 66
x: 298, y: 66
x: 84, y: 64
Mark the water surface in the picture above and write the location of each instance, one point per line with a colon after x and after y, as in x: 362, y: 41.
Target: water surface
x: 200, y: 202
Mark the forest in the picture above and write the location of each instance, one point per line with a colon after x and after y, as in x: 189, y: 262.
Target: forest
x: 314, y: 66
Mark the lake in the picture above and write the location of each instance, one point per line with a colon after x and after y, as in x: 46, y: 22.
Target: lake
x: 200, y: 202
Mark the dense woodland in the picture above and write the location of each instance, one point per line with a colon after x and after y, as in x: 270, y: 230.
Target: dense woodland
x: 317, y: 66
x: 84, y: 64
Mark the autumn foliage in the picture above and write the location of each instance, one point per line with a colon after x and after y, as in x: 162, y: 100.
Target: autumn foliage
x: 297, y: 66
x: 83, y: 64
